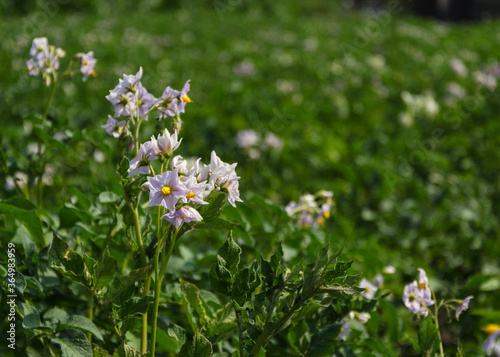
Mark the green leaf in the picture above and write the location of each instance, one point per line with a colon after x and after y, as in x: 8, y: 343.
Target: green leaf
x: 245, y: 283
x: 427, y: 335
x: 122, y: 283
x: 68, y: 263
x: 230, y: 252
x: 81, y: 323
x: 73, y: 343
x: 216, y: 200
x: 126, y: 351
x: 34, y: 284
x: 108, y: 197
x: 99, y: 352
x: 32, y: 321
x: 220, y: 224
x: 105, y: 272
x: 122, y: 168
x: 220, y: 278
x: 193, y: 305
x: 24, y: 211
x: 199, y: 347
x: 54, y: 316
x: 20, y: 282
x: 134, y: 306
x: 177, y: 334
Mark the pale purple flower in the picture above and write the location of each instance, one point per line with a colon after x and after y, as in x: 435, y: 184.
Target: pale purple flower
x: 232, y: 188
x: 181, y: 165
x: 88, y: 64
x: 491, y: 344
x: 129, y: 95
x: 247, y: 138
x: 114, y: 127
x: 423, y: 285
x: 181, y: 215
x: 165, y: 101
x: 216, y: 172
x: 463, y: 306
x: 40, y: 44
x: 184, y: 95
x: 146, y: 100
x: 362, y: 317
x: 198, y: 191
x: 417, y: 295
x: 45, y: 58
x: 140, y: 164
x: 305, y: 219
x: 345, y: 331
x: 273, y: 141
x: 130, y: 80
x: 167, y: 144
x: 166, y: 189
x: 32, y: 67
x: 291, y: 208
x: 370, y: 289
x: 124, y: 102
x: 412, y: 299
x: 244, y: 69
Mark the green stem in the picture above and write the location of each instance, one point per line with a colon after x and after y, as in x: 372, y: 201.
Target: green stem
x: 145, y: 292
x: 158, y: 279
x: 51, y: 95
x: 240, y: 332
x: 436, y: 321
x: 91, y: 314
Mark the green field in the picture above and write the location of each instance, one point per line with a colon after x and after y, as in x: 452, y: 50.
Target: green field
x: 397, y: 115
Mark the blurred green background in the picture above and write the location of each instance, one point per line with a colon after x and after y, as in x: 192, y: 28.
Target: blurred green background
x: 416, y: 180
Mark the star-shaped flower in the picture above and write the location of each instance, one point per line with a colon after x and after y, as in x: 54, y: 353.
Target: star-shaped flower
x: 166, y: 189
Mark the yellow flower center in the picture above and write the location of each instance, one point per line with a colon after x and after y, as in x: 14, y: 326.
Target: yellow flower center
x: 491, y: 328
x: 166, y: 190
x: 421, y: 286
x: 186, y: 99
x: 92, y: 72
x: 326, y: 214
x: 85, y: 63
x: 321, y: 220
x: 190, y: 195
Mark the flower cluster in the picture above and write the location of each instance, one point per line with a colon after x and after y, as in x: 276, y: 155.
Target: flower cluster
x: 252, y: 143
x: 133, y: 101
x: 417, y: 296
x: 311, y: 210
x: 44, y: 58
x: 179, y: 187
x: 88, y: 64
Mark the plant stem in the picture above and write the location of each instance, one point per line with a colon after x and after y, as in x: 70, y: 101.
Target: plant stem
x: 158, y: 279
x: 240, y: 332
x: 91, y: 314
x: 436, y: 321
x: 51, y: 95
